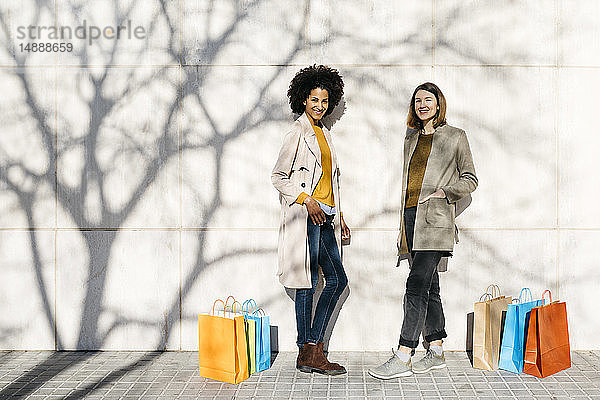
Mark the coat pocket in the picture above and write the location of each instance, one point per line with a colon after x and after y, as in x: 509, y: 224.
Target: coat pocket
x: 301, y: 177
x: 439, y: 213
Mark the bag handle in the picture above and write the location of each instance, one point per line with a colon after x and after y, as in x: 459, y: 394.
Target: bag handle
x: 248, y: 303
x: 232, y: 306
x: 527, y: 292
x: 549, y: 294
x: 485, y: 297
x: 227, y: 301
x: 495, y: 290
x: 215, y: 303
x: 261, y: 310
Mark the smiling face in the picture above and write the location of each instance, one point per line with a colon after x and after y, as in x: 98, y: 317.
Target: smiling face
x: 316, y: 104
x: 425, y: 105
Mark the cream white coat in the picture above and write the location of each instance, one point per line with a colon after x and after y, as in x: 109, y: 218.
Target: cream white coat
x: 297, y: 170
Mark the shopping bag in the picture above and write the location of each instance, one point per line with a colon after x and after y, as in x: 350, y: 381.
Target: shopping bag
x: 222, y: 348
x: 547, y: 350
x: 251, y: 343
x: 486, y: 328
x: 250, y: 327
x: 263, y: 344
x: 248, y: 307
x: 263, y: 334
x: 513, y: 340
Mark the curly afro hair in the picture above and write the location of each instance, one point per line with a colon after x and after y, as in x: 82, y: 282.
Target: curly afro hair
x: 312, y: 77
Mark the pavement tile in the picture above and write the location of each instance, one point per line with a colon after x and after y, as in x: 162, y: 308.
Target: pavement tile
x: 174, y: 375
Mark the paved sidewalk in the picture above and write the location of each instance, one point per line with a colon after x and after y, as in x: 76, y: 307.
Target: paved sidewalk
x: 174, y: 375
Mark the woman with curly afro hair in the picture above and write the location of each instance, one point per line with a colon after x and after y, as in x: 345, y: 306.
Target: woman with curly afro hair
x: 312, y: 227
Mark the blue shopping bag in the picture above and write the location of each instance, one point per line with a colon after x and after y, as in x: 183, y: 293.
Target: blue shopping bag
x: 263, y: 349
x: 512, y: 349
x: 508, y: 356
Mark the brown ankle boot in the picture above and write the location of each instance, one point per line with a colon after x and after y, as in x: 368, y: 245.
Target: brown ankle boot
x: 317, y: 362
x: 301, y: 360
x: 332, y: 366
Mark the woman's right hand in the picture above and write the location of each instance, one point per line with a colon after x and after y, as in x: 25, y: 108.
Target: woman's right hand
x: 314, y: 211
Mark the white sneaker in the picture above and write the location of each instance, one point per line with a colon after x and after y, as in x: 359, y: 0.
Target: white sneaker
x: 392, y: 368
x: 429, y: 362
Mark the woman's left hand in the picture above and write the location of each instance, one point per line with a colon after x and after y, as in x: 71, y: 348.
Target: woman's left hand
x: 345, y: 229
x: 438, y: 194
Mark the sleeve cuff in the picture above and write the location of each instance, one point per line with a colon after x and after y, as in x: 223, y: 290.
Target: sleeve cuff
x: 450, y: 196
x: 301, y: 197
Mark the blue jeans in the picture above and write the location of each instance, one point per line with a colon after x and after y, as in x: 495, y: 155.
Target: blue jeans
x: 323, y: 252
x: 423, y: 310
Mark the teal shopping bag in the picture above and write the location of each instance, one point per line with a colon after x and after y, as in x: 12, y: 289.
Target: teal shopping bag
x: 512, y: 349
x: 263, y: 348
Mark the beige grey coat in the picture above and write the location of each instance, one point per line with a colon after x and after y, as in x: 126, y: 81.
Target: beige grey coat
x: 297, y: 170
x: 449, y: 167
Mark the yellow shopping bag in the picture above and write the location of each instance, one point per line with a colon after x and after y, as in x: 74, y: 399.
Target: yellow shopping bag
x: 222, y: 347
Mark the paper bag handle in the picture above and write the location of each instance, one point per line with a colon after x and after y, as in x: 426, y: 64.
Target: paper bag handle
x: 549, y: 294
x: 485, y: 297
x: 227, y: 301
x: 232, y: 306
x: 249, y: 303
x: 495, y: 289
x: 261, y: 310
x: 215, y: 303
x: 527, y: 292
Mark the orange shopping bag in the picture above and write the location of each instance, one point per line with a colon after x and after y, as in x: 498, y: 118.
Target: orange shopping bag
x: 222, y: 348
x: 547, y: 351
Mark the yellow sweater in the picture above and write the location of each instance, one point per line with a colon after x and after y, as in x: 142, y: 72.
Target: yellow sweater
x: 324, y: 190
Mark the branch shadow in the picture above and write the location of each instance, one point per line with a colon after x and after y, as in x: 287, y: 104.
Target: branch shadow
x: 72, y: 198
x: 30, y: 381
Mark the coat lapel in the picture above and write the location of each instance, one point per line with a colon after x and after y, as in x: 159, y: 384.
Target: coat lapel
x: 310, y: 137
x: 439, y: 139
x: 412, y: 137
x: 412, y: 143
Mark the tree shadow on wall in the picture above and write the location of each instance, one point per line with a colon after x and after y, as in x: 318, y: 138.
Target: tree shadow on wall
x: 84, y: 194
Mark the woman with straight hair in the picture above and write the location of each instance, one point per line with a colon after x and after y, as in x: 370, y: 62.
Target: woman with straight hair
x: 306, y: 175
x: 438, y: 171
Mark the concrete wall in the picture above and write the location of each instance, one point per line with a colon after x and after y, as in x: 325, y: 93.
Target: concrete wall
x: 135, y: 174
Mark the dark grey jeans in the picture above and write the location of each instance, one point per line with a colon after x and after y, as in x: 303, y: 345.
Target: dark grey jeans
x: 423, y: 310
